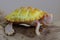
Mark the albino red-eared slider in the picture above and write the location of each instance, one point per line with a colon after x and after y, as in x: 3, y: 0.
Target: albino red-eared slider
x: 27, y: 16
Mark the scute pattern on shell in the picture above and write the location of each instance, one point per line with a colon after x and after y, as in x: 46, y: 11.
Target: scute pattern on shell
x: 25, y: 14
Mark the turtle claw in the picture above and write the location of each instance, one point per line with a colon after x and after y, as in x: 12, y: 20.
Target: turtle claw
x: 9, y: 32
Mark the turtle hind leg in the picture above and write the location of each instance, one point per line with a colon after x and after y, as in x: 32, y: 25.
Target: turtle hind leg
x: 9, y: 29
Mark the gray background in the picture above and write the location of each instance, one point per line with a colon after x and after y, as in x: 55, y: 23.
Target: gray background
x: 51, y: 6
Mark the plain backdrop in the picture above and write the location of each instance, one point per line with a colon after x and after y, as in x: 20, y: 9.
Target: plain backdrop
x: 51, y: 6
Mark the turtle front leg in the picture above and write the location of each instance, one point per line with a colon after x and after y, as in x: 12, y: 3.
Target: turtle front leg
x: 9, y: 29
x: 37, y: 28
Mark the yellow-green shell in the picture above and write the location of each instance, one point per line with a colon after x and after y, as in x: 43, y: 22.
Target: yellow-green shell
x: 25, y: 14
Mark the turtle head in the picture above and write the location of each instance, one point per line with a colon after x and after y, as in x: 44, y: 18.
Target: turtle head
x: 48, y: 19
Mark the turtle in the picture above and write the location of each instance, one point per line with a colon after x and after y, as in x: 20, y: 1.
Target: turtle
x: 28, y: 16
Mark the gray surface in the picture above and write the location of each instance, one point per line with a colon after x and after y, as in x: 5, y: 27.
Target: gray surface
x: 23, y: 33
